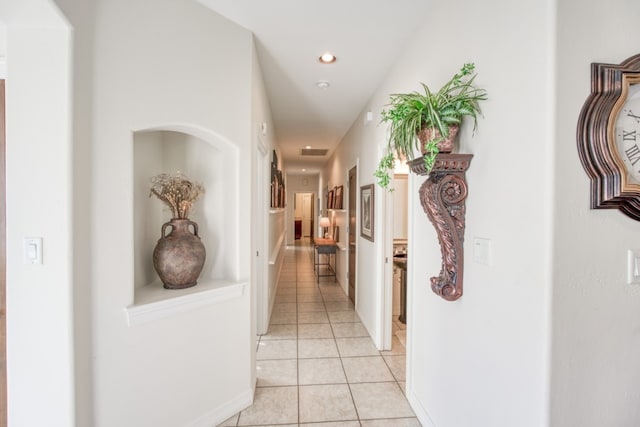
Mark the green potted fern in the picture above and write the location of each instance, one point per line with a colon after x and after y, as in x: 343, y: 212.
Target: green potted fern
x: 429, y: 121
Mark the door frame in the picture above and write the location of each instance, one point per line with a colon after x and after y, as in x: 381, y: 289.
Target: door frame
x: 3, y: 262
x: 312, y: 209
x: 355, y: 231
x: 260, y: 236
x: 386, y: 317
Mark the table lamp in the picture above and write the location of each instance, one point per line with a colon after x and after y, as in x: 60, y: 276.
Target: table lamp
x: 325, y: 223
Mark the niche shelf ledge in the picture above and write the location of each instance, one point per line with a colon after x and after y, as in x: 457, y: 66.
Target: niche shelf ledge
x: 153, y: 302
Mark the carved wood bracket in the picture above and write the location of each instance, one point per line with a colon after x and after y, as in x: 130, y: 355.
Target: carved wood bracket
x: 443, y: 198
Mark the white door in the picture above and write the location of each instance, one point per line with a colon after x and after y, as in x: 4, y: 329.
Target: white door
x: 306, y: 214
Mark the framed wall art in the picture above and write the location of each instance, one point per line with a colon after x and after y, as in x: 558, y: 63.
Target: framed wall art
x: 337, y: 201
x: 367, y: 211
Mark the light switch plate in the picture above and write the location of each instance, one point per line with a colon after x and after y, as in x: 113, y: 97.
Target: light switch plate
x: 633, y: 267
x: 32, y: 250
x: 482, y: 250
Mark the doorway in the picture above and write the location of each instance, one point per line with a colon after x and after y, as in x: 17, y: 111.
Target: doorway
x: 352, y: 233
x: 303, y: 207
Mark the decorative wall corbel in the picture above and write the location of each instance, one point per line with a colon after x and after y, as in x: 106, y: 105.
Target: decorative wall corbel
x: 443, y: 198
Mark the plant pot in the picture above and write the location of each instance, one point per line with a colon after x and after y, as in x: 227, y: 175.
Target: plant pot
x: 446, y: 145
x: 178, y: 257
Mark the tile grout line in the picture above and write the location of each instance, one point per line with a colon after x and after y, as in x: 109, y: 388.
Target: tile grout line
x: 344, y: 371
x: 297, y: 340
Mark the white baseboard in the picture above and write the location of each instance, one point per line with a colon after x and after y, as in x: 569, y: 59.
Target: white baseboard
x: 420, y: 411
x: 224, y: 411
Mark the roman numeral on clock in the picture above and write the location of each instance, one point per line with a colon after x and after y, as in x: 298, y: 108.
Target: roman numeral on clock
x: 628, y: 136
x: 630, y: 114
x: 633, y: 154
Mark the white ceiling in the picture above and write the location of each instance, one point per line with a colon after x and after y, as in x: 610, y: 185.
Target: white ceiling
x: 365, y: 35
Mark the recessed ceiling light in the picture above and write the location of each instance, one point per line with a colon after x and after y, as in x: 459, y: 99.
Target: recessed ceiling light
x: 327, y: 58
x: 323, y: 84
x: 307, y: 147
x: 304, y: 170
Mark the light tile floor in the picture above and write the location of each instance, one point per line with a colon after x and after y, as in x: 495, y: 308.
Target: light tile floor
x: 317, y: 365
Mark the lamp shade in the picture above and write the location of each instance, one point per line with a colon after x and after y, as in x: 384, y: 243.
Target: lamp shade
x: 324, y: 222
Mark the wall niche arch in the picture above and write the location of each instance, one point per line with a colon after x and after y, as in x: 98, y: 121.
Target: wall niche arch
x: 210, y: 159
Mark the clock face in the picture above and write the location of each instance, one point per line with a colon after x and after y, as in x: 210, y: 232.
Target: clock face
x: 627, y: 134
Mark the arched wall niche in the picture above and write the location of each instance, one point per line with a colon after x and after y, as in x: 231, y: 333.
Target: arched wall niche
x: 203, y: 156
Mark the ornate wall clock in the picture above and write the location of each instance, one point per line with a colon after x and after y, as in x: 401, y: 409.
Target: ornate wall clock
x: 609, y: 136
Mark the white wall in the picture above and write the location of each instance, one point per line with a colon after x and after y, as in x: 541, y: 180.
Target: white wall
x: 39, y: 203
x: 359, y: 148
x: 155, y: 67
x: 487, y: 352
x: 265, y: 242
x: 596, y: 315
x: 481, y: 360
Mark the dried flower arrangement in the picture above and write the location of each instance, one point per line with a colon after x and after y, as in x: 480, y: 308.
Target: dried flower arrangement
x: 176, y: 191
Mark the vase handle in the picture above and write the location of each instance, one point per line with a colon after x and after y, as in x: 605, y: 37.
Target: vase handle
x: 164, y: 227
x: 195, y: 228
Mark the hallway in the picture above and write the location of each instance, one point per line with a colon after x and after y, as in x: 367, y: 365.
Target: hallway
x: 317, y: 366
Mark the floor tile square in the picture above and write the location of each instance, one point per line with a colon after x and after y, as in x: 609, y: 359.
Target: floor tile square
x: 283, y: 318
x: 397, y: 422
x: 321, y: 371
x: 339, y: 306
x: 352, y: 347
x: 335, y: 297
x: 307, y: 284
x: 349, y: 330
x: 310, y: 298
x: 366, y: 369
x: 277, y: 349
x: 380, y: 400
x: 305, y: 307
x: 398, y: 366
x: 285, y: 291
x: 326, y: 403
x: 334, y: 424
x: 313, y: 317
x: 287, y: 307
x: 288, y: 284
x: 284, y: 298
x: 272, y: 405
x: 276, y: 372
x: 343, y: 316
x: 309, y: 291
x: 316, y: 348
x: 281, y: 332
x: 315, y: 330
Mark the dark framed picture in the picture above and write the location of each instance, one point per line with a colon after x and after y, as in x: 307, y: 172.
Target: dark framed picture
x: 367, y: 212
x: 330, y: 199
x: 337, y: 202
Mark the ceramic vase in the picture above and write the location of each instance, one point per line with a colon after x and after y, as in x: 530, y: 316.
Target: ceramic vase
x: 179, y: 256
